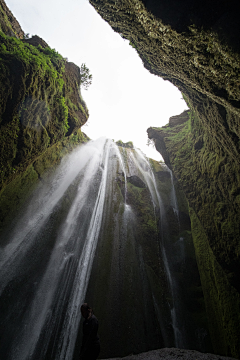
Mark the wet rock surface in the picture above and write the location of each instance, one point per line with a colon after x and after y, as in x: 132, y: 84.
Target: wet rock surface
x: 135, y: 180
x: 163, y: 176
x: 172, y: 354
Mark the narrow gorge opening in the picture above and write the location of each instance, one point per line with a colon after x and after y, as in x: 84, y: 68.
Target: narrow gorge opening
x: 153, y: 246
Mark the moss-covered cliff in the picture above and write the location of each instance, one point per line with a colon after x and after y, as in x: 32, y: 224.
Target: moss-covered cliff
x: 41, y: 109
x: 195, y: 58
x: 210, y: 179
x: 8, y: 23
x: 195, y: 45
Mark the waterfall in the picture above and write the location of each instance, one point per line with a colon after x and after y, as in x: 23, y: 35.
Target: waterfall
x: 54, y: 255
x: 175, y: 307
x: 53, y: 313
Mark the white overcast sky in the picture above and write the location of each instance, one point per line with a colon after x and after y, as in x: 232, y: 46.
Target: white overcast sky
x: 124, y: 98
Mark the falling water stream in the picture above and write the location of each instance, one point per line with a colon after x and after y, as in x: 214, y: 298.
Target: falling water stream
x: 175, y: 307
x: 51, y: 315
x: 47, y: 256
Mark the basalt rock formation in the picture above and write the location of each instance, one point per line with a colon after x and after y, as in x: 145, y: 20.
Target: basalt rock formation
x: 195, y: 46
x: 41, y: 111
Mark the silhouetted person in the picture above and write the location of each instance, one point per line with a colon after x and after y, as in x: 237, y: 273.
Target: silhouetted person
x: 90, y: 344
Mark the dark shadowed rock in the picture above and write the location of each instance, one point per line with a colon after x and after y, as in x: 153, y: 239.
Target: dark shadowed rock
x: 179, y: 119
x: 160, y: 146
x: 136, y: 181
x: 35, y: 41
x: 164, y: 176
x: 185, y: 221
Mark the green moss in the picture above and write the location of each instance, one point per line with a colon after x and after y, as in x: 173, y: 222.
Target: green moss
x: 207, y: 172
x: 13, y: 195
x: 128, y: 144
x: 5, y: 25
x: 208, y: 177
x: 76, y: 107
x: 47, y: 61
x: 221, y: 299
x: 40, y: 104
x: 140, y: 199
x: 71, y: 105
x: 156, y: 165
x: 65, y: 113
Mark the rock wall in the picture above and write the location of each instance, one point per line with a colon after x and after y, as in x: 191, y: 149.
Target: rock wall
x: 41, y: 110
x: 8, y: 23
x: 128, y: 287
x: 195, y: 46
x: 198, y: 51
x: 209, y: 179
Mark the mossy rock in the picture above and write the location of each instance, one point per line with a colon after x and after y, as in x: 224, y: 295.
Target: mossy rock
x: 128, y: 144
x: 16, y: 192
x: 41, y: 103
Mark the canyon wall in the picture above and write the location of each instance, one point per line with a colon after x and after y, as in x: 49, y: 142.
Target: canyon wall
x: 144, y: 286
x: 41, y: 111
x: 195, y: 46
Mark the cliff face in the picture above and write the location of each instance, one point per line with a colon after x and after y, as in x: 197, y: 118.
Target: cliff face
x: 129, y: 286
x: 210, y: 181
x: 8, y: 23
x: 194, y: 46
x: 196, y: 59
x: 104, y: 228
x: 41, y: 109
x: 197, y: 49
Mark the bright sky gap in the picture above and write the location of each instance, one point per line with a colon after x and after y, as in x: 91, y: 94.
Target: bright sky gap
x: 124, y: 98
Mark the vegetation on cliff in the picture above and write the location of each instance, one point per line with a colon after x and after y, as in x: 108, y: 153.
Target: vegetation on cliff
x: 8, y: 23
x: 193, y: 155
x: 128, y: 144
x: 36, y: 103
x: 41, y: 110
x: 85, y: 76
x: 196, y: 58
x: 210, y: 182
